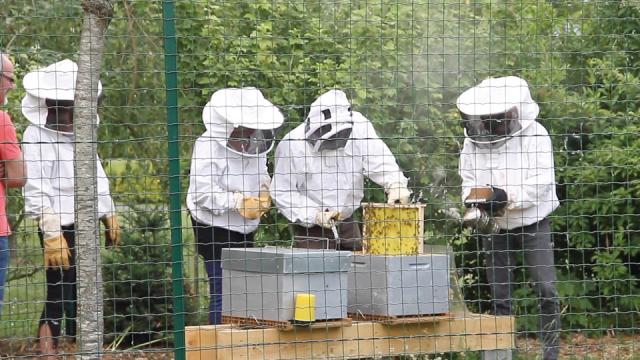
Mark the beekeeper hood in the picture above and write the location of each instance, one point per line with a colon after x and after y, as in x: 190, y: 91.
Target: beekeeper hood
x: 496, y: 110
x: 55, y: 82
x: 329, y: 123
x: 242, y: 120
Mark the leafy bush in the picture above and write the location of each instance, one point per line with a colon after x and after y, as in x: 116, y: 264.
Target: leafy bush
x: 138, y: 304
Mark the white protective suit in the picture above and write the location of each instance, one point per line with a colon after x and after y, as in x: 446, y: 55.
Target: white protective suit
x: 522, y: 165
x: 48, y: 154
x: 50, y: 180
x: 307, y: 182
x: 218, y: 173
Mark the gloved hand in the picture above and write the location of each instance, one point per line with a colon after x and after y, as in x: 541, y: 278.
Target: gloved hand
x: 56, y: 252
x: 249, y: 206
x: 327, y: 219
x: 111, y: 230
x: 398, y: 193
x: 496, y: 202
x: 265, y: 198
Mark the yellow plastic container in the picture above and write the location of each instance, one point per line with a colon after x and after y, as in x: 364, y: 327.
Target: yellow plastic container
x: 393, y: 229
x: 305, y: 308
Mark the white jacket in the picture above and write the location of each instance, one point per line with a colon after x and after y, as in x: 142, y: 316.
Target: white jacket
x: 48, y: 155
x: 216, y: 174
x: 306, y: 182
x: 522, y: 166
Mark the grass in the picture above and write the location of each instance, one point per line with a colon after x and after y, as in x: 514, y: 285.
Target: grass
x: 24, y: 297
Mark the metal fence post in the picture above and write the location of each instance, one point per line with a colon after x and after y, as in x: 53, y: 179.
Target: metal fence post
x: 175, y: 213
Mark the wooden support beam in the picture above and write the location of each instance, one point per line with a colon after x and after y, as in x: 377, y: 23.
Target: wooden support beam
x: 471, y: 332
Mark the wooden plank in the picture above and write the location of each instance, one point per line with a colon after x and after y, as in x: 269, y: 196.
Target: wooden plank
x: 252, y: 323
x: 362, y: 339
x: 398, y: 320
x: 201, y: 341
x: 322, y: 324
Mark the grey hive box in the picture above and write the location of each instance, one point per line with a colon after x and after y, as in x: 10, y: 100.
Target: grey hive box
x: 261, y: 283
x: 399, y: 285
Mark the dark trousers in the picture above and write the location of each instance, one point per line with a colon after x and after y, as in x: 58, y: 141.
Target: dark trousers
x: 210, y: 242
x: 534, y: 242
x: 317, y: 237
x: 61, y: 291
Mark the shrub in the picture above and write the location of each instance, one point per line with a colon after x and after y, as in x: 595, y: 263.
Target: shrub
x: 138, y: 305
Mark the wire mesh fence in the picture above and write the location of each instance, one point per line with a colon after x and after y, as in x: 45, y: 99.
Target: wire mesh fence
x: 328, y: 179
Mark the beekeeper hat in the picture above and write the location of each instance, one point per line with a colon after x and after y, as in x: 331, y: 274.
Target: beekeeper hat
x: 56, y: 82
x: 329, y: 119
x: 245, y: 107
x: 496, y: 96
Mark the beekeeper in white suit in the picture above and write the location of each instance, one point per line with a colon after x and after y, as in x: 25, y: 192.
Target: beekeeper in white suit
x: 509, y: 155
x: 229, y: 183
x: 49, y: 190
x: 320, y: 168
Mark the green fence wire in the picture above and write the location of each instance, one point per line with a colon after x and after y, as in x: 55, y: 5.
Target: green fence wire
x: 402, y: 64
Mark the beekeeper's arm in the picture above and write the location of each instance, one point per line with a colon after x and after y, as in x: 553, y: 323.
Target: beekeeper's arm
x: 107, y: 209
x: 264, y: 195
x: 37, y: 201
x: 379, y: 163
x: 294, y: 205
x: 206, y: 169
x: 540, y: 183
x: 466, y: 169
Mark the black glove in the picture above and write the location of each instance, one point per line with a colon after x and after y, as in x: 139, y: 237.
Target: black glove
x: 496, y: 202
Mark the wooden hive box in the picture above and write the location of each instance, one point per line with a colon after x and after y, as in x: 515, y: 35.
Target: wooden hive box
x: 393, y: 229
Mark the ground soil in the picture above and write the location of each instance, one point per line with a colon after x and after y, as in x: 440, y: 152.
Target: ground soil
x: 579, y: 346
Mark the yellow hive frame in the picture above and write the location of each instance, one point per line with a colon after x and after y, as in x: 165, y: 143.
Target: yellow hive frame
x: 393, y: 229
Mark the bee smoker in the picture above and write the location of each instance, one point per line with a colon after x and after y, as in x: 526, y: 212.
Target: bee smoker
x: 475, y: 217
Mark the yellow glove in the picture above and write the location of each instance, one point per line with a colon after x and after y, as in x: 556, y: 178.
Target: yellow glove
x: 265, y: 199
x: 56, y: 252
x: 111, y: 230
x: 248, y: 206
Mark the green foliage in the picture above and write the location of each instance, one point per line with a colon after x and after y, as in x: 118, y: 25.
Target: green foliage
x: 137, y: 281
x: 403, y: 64
x: 136, y: 181
x: 588, y: 98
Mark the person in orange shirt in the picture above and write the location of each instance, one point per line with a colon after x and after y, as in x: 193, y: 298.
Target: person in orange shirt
x: 12, y: 169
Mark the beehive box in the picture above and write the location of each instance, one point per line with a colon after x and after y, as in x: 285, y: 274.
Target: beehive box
x: 393, y: 229
x: 391, y: 285
x: 261, y: 283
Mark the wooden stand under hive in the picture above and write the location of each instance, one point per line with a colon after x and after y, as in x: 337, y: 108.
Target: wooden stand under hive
x: 393, y: 229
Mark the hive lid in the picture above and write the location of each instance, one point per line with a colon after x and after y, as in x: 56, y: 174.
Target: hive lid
x: 284, y: 260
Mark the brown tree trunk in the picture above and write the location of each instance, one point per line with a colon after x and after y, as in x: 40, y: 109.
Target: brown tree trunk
x: 97, y: 15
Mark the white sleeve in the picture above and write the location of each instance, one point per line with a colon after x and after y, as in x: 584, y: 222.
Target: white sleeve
x: 378, y: 162
x: 540, y: 182
x: 467, y: 169
x: 294, y: 205
x: 106, y: 207
x: 37, y: 190
x: 207, y: 167
x: 265, y: 179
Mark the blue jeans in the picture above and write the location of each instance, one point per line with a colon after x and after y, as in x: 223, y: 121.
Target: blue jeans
x: 4, y: 266
x: 210, y: 242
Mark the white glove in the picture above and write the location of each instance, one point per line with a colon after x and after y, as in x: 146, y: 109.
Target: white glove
x: 327, y: 219
x: 398, y: 193
x: 50, y: 224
